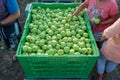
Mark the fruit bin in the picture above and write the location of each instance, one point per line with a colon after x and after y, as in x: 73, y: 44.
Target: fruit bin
x: 65, y: 66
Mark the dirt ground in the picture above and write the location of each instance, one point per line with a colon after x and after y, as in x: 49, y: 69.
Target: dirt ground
x: 10, y: 70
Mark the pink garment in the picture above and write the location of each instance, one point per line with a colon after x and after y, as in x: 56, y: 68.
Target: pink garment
x: 107, y: 9
x: 112, y: 49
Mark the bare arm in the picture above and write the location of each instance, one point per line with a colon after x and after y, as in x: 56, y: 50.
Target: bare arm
x: 112, y: 30
x: 80, y: 8
x: 111, y: 20
x: 11, y: 18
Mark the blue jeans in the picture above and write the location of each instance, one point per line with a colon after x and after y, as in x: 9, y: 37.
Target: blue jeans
x: 103, y: 64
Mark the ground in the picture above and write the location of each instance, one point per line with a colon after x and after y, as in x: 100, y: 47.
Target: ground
x: 11, y: 70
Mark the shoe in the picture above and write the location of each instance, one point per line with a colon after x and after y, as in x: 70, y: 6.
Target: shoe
x: 14, y: 59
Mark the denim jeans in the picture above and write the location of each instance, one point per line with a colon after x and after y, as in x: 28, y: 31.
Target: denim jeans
x: 103, y: 64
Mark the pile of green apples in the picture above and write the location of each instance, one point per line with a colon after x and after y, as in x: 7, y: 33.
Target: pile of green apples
x: 56, y: 32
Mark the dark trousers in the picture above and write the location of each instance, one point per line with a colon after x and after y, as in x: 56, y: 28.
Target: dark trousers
x: 13, y: 34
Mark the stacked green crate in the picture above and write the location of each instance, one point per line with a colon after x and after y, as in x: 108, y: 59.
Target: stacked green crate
x: 64, y: 66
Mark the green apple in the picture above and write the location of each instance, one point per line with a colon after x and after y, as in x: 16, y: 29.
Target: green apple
x: 40, y: 51
x: 53, y: 28
x: 81, y: 44
x: 32, y: 40
x: 31, y: 25
x: 44, y: 47
x: 72, y: 27
x: 51, y: 52
x: 85, y: 34
x: 62, y: 44
x: 53, y: 43
x: 89, y: 50
x: 72, y: 51
x: 68, y: 33
x: 75, y: 40
x: 84, y: 50
x: 42, y: 42
x: 59, y: 36
x: 58, y: 46
x: 60, y: 52
x: 35, y: 48
x: 69, y: 44
x: 41, y: 27
x: 66, y: 49
x: 63, y: 33
x: 82, y: 39
x: 66, y: 25
x: 77, y: 53
x: 48, y: 38
x: 25, y: 48
x: 27, y: 43
x: 78, y: 36
x: 50, y: 46
x: 73, y: 32
x: 80, y: 32
x: 29, y: 49
x: 84, y: 28
x: 87, y: 40
x: 42, y: 35
x: 82, y: 21
x: 88, y: 45
x: 63, y: 22
x: 65, y: 39
x: 28, y: 37
x: 75, y: 47
x: 95, y: 20
x: 50, y: 32
x: 69, y: 39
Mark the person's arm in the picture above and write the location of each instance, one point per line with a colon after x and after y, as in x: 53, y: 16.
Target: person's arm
x: 112, y: 30
x: 11, y: 18
x: 111, y: 20
x: 13, y: 10
x: 80, y: 8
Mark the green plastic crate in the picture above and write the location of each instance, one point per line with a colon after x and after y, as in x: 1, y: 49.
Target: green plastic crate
x: 69, y: 66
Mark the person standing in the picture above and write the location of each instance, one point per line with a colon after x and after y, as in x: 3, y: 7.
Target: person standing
x: 105, y: 10
x: 10, y: 31
x: 110, y: 51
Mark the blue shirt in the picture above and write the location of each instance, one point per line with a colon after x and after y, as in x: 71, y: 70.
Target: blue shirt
x: 8, y: 7
x: 12, y: 6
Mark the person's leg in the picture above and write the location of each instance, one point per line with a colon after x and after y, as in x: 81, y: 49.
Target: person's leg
x: 18, y: 36
x: 110, y: 66
x: 101, y: 66
x: 4, y: 38
x: 12, y: 33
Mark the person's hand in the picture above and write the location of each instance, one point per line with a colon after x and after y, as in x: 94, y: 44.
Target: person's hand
x: 103, y: 35
x: 73, y: 14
